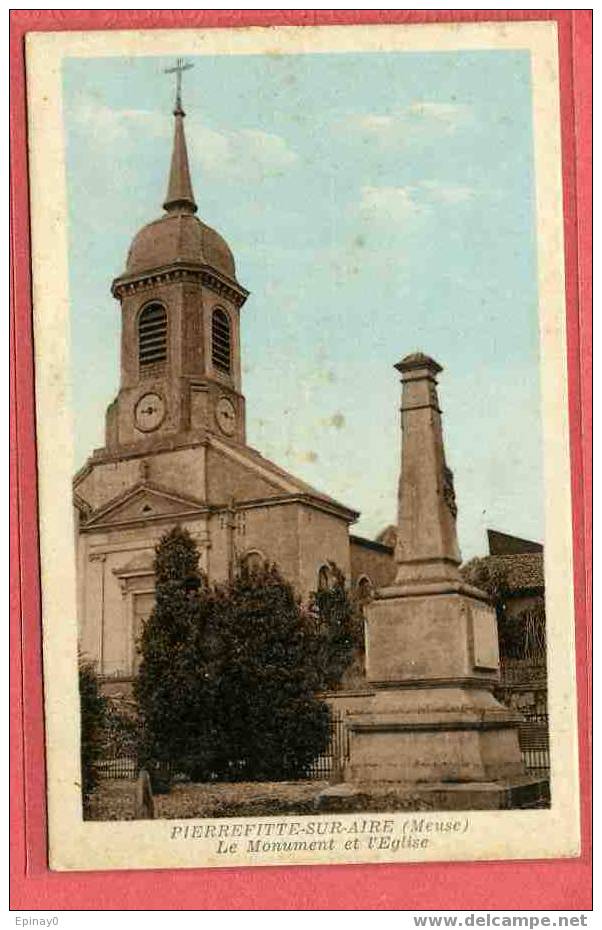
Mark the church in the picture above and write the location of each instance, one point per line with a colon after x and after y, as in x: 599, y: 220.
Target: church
x: 175, y: 445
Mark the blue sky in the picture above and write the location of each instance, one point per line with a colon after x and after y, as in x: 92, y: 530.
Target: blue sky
x: 376, y: 204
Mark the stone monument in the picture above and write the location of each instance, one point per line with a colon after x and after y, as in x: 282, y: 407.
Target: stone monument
x: 431, y: 642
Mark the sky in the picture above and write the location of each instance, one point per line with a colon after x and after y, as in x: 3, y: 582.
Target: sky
x: 376, y: 204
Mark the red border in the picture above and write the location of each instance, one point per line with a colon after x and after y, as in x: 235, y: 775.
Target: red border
x: 549, y: 885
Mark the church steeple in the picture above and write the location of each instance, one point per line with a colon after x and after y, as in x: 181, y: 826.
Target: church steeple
x: 180, y: 346
x: 180, y: 198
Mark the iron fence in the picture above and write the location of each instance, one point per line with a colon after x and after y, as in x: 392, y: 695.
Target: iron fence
x: 522, y: 671
x: 122, y: 767
x: 328, y: 765
x: 534, y: 741
x: 331, y: 763
x: 533, y: 738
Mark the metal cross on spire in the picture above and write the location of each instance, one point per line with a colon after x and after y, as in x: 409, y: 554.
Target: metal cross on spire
x: 179, y: 67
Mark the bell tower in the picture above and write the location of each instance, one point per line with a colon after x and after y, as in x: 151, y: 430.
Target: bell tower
x: 180, y: 325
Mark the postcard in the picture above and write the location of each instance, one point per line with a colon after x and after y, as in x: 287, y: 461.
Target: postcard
x: 303, y: 445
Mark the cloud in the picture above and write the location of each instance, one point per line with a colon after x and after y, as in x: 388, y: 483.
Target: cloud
x: 400, y: 204
x: 248, y: 154
x: 392, y: 203
x: 448, y: 114
x: 420, y: 118
x: 109, y: 125
x: 447, y: 193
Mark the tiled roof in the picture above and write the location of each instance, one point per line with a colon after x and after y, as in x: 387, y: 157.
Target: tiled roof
x: 505, y: 544
x: 524, y: 571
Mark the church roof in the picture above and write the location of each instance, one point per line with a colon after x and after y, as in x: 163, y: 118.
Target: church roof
x: 288, y: 483
x: 148, y: 501
x: 506, y: 544
x: 179, y: 236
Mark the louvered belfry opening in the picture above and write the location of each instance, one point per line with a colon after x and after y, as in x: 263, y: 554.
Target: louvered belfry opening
x: 220, y: 340
x: 152, y: 335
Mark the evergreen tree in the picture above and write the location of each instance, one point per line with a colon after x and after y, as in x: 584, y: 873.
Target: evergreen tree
x: 175, y: 686
x: 92, y: 720
x: 271, y: 723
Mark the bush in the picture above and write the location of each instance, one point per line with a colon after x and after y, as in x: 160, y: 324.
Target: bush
x: 121, y: 736
x: 92, y: 723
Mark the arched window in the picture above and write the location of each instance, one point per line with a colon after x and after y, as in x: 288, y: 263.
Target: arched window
x: 252, y: 562
x: 152, y: 335
x: 324, y: 578
x: 220, y: 340
x: 364, y: 590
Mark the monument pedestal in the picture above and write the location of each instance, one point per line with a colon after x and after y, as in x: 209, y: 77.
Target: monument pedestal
x: 434, y: 735
x: 432, y: 656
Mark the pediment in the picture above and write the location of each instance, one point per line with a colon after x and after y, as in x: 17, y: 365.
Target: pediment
x: 144, y: 503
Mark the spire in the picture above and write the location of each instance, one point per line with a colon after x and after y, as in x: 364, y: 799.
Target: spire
x: 180, y: 198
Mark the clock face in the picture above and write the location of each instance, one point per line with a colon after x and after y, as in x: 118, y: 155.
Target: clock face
x: 149, y: 412
x: 225, y: 415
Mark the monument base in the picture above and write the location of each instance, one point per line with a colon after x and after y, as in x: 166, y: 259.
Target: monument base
x: 520, y: 793
x: 433, y: 735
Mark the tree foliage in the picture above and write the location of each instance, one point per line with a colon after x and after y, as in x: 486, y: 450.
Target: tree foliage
x: 228, y: 675
x: 175, y: 689
x: 492, y: 579
x: 92, y: 723
x: 340, y: 630
x: 121, y: 734
x: 271, y: 723
x: 523, y: 635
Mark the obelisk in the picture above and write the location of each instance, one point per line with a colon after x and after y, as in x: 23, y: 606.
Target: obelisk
x: 431, y: 640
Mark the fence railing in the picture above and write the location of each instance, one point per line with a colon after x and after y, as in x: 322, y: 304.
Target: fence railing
x: 122, y: 767
x: 534, y: 741
x: 331, y: 763
x: 533, y: 737
x: 522, y: 671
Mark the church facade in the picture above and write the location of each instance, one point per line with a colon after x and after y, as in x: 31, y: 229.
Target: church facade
x: 175, y: 445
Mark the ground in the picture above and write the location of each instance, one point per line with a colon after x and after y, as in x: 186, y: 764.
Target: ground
x: 114, y: 800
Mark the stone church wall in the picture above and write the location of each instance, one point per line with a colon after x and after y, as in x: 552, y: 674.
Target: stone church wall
x: 116, y: 590
x: 322, y: 538
x: 371, y: 560
x: 272, y: 531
